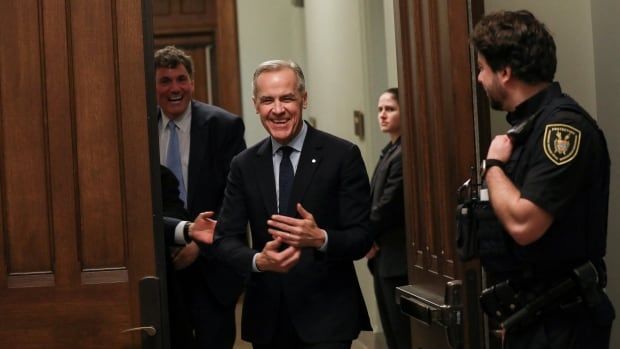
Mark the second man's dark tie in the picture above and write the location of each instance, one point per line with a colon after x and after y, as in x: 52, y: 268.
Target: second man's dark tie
x: 286, y: 179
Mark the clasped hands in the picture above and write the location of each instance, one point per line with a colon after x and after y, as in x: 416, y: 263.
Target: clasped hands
x: 294, y: 232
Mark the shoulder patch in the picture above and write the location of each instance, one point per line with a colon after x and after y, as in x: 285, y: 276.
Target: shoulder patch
x: 561, y: 143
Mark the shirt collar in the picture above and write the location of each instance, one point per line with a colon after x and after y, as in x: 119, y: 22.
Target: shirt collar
x: 183, y: 122
x: 296, y: 143
x: 533, y: 104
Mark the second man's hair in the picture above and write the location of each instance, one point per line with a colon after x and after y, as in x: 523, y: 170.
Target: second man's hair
x: 171, y: 57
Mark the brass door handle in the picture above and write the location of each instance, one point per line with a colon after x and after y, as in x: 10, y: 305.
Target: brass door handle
x: 150, y: 330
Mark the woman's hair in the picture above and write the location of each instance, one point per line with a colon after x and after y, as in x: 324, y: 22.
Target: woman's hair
x: 394, y: 92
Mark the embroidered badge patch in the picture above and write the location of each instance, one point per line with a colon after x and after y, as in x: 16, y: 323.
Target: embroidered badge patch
x: 561, y: 143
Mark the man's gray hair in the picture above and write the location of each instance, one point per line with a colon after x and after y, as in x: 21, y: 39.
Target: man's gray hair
x: 276, y: 65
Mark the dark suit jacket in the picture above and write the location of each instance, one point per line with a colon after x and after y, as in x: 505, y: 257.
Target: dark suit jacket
x: 172, y: 205
x: 181, y: 335
x: 387, y: 215
x: 216, y: 136
x: 321, y: 292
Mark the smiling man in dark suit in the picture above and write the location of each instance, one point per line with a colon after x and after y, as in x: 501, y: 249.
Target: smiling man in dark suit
x: 197, y: 142
x: 305, y: 194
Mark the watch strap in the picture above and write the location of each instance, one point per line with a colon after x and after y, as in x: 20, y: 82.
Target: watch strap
x: 186, y: 232
x: 488, y: 163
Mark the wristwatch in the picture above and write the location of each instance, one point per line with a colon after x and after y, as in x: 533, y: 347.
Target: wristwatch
x: 186, y: 232
x: 487, y: 164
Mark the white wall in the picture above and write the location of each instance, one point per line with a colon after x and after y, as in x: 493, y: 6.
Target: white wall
x: 335, y: 67
x: 607, y: 68
x: 390, y: 43
x: 271, y: 29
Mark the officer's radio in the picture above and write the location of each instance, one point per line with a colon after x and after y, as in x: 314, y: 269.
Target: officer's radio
x: 478, y: 231
x: 469, y: 202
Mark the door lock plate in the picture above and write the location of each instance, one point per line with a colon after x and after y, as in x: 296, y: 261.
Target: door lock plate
x: 429, y: 308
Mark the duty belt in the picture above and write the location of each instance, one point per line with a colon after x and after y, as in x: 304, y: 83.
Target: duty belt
x: 511, y: 306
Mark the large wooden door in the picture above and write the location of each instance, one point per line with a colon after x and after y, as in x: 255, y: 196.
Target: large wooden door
x: 76, y: 223
x: 441, y: 125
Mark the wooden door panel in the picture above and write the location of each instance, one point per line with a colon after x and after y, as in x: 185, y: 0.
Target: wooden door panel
x: 439, y: 147
x: 76, y: 232
x: 23, y: 140
x: 60, y: 145
x: 174, y: 16
x: 97, y: 135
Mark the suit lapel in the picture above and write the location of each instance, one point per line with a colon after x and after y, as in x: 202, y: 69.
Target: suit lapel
x: 378, y: 177
x: 265, y: 176
x: 309, y: 161
x: 198, y: 143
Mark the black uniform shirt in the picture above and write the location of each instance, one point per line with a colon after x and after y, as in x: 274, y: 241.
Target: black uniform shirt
x: 562, y: 166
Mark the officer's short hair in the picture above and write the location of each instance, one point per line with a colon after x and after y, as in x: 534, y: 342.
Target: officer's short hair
x: 277, y: 65
x: 516, y: 39
x: 171, y: 57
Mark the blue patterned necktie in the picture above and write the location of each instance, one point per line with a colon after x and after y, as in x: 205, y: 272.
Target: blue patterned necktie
x: 173, y: 159
x: 286, y: 179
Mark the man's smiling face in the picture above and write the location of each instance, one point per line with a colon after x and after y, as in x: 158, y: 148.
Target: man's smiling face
x: 280, y: 104
x: 174, y: 89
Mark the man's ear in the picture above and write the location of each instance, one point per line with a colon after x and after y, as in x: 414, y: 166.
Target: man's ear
x: 505, y: 74
x: 254, y: 104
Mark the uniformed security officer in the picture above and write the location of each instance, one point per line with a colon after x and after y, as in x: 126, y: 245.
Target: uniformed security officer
x: 548, y: 184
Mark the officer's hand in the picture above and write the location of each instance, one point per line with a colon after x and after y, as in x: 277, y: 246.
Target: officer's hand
x: 500, y: 148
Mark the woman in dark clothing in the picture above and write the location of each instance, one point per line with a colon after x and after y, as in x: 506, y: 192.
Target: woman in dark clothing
x: 387, y: 259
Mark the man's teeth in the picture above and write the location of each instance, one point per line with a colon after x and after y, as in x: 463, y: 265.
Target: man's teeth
x: 175, y: 98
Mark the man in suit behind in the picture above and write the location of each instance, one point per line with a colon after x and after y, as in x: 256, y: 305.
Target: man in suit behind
x: 305, y: 194
x: 197, y: 142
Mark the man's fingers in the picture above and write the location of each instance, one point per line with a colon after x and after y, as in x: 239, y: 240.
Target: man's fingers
x: 292, y: 259
x: 280, y: 219
x: 207, y: 214
x: 303, y: 213
x: 273, y: 245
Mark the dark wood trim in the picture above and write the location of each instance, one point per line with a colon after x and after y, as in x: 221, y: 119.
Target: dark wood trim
x: 228, y: 79
x: 160, y: 249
